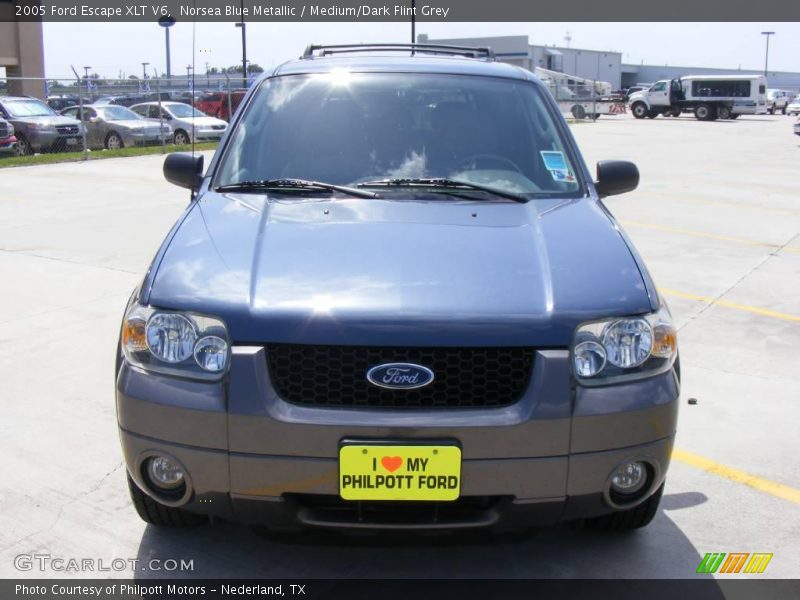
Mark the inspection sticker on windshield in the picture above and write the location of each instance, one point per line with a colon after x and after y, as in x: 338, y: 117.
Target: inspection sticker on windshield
x: 557, y: 165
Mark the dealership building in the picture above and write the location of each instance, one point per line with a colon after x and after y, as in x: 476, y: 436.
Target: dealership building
x: 598, y: 64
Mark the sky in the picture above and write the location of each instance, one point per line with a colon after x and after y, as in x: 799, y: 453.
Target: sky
x: 120, y: 48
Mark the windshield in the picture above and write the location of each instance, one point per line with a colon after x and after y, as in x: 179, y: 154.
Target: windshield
x: 184, y: 110
x: 28, y: 108
x: 348, y: 129
x: 117, y: 113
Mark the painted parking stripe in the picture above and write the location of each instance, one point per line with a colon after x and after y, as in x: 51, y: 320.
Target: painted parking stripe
x: 773, y: 488
x: 764, y: 312
x: 711, y: 236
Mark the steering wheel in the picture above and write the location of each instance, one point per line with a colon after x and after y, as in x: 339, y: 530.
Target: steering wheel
x: 475, y: 158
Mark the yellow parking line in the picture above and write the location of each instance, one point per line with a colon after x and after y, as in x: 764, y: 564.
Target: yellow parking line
x: 764, y: 312
x: 710, y: 236
x: 778, y: 490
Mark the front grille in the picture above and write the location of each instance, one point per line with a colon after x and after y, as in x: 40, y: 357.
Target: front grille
x: 4, y: 130
x: 335, y: 376
x: 67, y: 129
x: 218, y: 127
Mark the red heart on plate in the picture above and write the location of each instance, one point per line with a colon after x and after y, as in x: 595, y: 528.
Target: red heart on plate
x: 392, y: 463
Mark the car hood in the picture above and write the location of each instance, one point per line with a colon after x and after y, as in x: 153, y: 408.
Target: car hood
x: 134, y: 124
x: 203, y: 121
x: 398, y: 272
x: 49, y: 120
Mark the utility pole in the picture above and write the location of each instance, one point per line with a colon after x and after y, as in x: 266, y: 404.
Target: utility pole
x: 144, y: 70
x: 413, y: 21
x: 766, y: 58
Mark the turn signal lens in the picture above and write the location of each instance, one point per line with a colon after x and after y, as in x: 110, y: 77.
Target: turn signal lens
x: 665, y: 340
x: 134, y: 338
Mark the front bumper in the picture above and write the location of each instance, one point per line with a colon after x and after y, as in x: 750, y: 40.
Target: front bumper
x: 252, y: 457
x: 7, y: 144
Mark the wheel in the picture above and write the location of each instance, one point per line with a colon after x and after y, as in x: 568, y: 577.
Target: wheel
x: 114, y: 141
x: 783, y: 110
x: 639, y: 110
x: 771, y: 110
x: 156, y: 513
x: 181, y: 138
x: 676, y: 112
x: 625, y: 520
x: 724, y: 112
x: 578, y: 112
x: 23, y: 147
x: 596, y: 116
x: 705, y: 112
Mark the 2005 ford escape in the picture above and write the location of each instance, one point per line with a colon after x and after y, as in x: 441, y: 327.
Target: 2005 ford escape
x: 396, y: 300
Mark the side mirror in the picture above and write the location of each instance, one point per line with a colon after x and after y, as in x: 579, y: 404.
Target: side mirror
x: 184, y: 170
x: 616, y: 177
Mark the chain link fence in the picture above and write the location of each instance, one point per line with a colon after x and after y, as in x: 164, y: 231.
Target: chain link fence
x: 91, y: 114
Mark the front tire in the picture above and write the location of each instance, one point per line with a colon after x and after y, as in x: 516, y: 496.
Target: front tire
x: 639, y: 110
x: 578, y: 112
x: 181, y: 138
x: 159, y: 514
x: 22, y: 147
x: 705, y: 112
x: 114, y: 141
x: 626, y: 520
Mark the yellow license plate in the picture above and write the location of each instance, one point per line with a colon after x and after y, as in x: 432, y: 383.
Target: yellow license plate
x: 416, y: 472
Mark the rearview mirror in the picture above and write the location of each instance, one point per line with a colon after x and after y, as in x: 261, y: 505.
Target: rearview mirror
x: 184, y: 170
x: 616, y: 177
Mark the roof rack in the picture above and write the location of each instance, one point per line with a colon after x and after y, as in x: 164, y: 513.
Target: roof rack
x: 318, y: 50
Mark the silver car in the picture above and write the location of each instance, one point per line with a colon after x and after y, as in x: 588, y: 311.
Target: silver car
x: 188, y: 123
x: 114, y: 127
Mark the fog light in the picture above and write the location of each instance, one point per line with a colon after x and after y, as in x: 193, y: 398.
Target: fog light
x: 629, y: 479
x: 165, y: 472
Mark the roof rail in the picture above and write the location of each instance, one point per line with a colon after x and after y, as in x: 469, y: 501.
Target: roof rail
x: 318, y: 50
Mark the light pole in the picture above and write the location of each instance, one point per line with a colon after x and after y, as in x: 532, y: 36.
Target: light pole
x: 244, y: 46
x: 144, y: 70
x: 766, y: 58
x: 166, y: 23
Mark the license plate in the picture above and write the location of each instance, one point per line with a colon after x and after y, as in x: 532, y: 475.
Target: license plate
x: 72, y: 141
x: 399, y: 472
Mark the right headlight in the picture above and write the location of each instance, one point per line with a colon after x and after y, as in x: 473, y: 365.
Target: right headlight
x: 624, y: 348
x: 175, y: 343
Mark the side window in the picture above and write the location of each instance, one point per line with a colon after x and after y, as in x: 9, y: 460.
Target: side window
x: 659, y: 87
x: 762, y: 89
x: 152, y: 112
x: 70, y: 112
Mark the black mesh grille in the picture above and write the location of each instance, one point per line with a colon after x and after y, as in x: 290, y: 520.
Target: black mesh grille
x: 336, y: 376
x: 4, y: 129
x: 67, y: 129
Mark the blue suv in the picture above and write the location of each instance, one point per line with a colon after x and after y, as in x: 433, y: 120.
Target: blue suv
x: 396, y: 300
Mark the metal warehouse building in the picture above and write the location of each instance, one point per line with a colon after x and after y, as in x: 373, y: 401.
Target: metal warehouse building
x: 597, y: 64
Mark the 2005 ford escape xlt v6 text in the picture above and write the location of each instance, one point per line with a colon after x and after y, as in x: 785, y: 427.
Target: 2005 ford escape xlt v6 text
x: 396, y: 301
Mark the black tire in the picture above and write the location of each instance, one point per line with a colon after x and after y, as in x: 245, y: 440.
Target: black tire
x: 639, y: 110
x: 22, y: 147
x: 652, y: 114
x: 158, y: 514
x: 771, y: 110
x: 676, y: 112
x: 578, y: 112
x: 182, y: 138
x: 783, y: 110
x: 626, y: 520
x: 705, y: 112
x: 724, y: 112
x: 114, y: 141
x: 595, y: 116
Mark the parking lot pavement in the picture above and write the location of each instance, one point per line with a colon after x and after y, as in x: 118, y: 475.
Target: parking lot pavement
x: 717, y: 219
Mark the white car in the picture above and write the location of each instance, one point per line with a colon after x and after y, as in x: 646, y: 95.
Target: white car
x: 797, y: 127
x: 188, y: 123
x: 794, y: 107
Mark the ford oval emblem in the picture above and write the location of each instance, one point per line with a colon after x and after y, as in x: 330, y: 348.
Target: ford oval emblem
x: 400, y: 376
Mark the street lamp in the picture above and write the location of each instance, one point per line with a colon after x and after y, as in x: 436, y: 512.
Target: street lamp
x: 166, y: 23
x: 144, y: 70
x: 244, y: 46
x: 86, y: 78
x: 766, y: 58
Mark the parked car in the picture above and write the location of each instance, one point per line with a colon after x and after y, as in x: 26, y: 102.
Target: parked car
x: 112, y: 127
x: 797, y: 127
x: 397, y: 300
x: 187, y: 122
x: 59, y: 103
x: 778, y: 100
x: 215, y: 104
x: 793, y: 108
x: 38, y: 128
x: 7, y: 140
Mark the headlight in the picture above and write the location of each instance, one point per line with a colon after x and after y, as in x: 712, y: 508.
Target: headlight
x: 176, y: 343
x: 618, y: 349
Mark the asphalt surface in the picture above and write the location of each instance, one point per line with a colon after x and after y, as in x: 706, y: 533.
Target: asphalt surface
x: 717, y: 219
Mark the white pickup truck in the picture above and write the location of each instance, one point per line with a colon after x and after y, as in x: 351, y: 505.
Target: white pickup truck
x: 708, y: 97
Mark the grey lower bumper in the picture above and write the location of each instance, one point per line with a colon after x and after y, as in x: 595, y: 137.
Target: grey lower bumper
x: 254, y: 458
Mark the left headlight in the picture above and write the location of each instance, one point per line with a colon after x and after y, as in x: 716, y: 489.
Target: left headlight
x: 625, y: 348
x: 175, y: 343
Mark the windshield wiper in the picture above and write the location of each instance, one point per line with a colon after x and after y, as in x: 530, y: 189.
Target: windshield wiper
x: 298, y: 185
x: 443, y: 183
